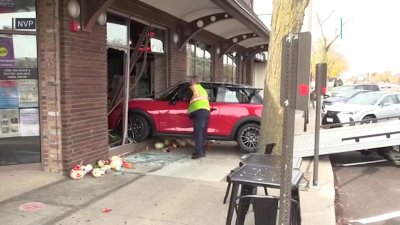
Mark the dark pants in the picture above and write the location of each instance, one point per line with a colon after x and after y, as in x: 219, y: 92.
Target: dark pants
x: 200, y: 124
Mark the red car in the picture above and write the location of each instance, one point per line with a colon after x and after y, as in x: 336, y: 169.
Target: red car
x: 235, y: 114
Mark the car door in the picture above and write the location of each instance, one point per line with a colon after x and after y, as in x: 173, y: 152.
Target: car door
x: 388, y: 106
x: 179, y: 119
x: 174, y: 117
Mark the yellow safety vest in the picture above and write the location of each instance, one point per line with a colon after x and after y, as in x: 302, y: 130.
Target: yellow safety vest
x: 199, y: 99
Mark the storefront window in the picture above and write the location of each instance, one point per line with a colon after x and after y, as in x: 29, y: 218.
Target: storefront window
x: 198, y: 60
x: 117, y: 34
x: 17, y: 14
x: 230, y: 68
x: 19, y: 102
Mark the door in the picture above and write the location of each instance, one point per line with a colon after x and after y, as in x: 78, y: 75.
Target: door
x: 389, y: 106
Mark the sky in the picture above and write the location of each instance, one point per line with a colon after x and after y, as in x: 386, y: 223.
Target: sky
x: 370, y: 39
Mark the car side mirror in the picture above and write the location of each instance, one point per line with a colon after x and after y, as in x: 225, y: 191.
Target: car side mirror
x: 386, y: 104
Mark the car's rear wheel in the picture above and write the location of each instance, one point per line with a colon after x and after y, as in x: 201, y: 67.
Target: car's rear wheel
x: 138, y: 127
x: 248, y: 137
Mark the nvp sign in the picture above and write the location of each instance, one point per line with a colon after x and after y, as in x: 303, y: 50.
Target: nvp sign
x: 25, y: 23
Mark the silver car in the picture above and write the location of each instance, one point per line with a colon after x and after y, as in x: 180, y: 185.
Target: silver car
x: 367, y: 106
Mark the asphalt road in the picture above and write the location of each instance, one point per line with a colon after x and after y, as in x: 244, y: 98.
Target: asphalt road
x: 366, y: 193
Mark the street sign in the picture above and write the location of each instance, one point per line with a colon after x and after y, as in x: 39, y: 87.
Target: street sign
x: 296, y: 57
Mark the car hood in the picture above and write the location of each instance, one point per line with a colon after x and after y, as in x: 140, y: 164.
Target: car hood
x: 350, y: 108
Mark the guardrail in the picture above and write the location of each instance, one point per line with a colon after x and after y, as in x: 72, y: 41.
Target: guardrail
x: 353, y: 123
x: 357, y: 138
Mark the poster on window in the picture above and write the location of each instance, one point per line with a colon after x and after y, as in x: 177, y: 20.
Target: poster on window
x: 7, y: 58
x: 9, y: 94
x: 29, y: 122
x: 9, y: 126
x: 28, y: 93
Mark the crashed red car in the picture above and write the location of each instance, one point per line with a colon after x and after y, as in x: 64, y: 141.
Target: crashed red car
x: 235, y: 114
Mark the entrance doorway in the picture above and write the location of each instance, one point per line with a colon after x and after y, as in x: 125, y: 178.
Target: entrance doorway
x: 137, y: 76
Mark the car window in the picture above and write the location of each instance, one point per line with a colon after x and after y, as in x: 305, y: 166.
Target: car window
x: 232, y: 95
x: 183, y: 93
x: 349, y: 93
x: 390, y: 99
x: 211, y: 92
x: 369, y: 98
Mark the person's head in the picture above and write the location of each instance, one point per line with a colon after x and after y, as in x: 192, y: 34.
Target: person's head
x: 194, y: 80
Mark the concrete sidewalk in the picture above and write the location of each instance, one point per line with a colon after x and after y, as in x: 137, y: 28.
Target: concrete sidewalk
x: 163, y: 188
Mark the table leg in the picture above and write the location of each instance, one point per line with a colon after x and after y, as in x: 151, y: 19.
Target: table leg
x: 235, y: 188
x: 295, y: 209
x: 244, y: 204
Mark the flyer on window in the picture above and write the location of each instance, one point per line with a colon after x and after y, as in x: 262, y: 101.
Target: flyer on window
x: 9, y: 94
x: 28, y: 93
x: 29, y: 122
x: 9, y: 124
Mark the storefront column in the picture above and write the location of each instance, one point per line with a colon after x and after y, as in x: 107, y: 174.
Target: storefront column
x: 218, y: 65
x: 49, y: 84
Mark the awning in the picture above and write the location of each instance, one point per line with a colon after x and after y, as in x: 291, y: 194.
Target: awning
x: 232, y: 20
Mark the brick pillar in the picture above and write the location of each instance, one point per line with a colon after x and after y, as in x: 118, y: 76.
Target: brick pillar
x: 49, y: 84
x: 83, y: 93
x: 177, y: 63
x: 218, y: 63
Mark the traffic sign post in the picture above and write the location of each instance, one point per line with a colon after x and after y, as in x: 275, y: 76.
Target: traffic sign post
x: 295, y: 76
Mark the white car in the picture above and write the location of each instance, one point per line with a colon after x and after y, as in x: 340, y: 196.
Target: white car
x: 367, y: 106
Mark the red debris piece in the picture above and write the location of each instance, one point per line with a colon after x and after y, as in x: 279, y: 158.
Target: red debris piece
x: 106, y: 210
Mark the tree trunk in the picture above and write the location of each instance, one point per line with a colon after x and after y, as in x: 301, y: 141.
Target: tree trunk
x: 287, y: 18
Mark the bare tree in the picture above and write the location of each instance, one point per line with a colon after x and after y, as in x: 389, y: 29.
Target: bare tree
x: 327, y: 42
x: 287, y: 17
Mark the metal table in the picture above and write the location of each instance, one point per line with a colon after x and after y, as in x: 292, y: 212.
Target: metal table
x: 268, y: 160
x: 251, y: 175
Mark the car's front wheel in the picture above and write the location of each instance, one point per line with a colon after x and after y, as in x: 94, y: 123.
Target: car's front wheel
x: 138, y: 127
x: 248, y: 137
x: 368, y: 119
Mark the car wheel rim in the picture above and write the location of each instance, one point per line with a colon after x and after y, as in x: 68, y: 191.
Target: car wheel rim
x: 250, y: 137
x: 135, y: 128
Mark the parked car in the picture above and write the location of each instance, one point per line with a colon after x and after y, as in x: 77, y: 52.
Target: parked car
x: 235, y: 114
x: 342, y: 97
x: 336, y: 90
x: 367, y: 106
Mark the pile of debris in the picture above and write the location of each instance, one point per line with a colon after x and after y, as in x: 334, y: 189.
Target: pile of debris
x: 102, y: 167
x: 167, y: 144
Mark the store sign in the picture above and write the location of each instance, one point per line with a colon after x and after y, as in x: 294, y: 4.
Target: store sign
x: 25, y: 23
x: 18, y: 73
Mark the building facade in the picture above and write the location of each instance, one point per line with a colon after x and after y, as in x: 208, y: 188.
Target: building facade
x: 65, y: 64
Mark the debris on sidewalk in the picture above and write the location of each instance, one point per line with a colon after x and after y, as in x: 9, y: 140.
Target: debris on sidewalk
x: 106, y: 210
x: 102, y: 166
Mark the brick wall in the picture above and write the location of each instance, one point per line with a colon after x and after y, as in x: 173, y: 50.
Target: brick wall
x: 83, y: 93
x: 177, y: 64
x: 49, y: 86
x: 160, y: 72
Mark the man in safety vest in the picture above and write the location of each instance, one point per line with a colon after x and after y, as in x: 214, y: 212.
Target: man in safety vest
x: 199, y: 111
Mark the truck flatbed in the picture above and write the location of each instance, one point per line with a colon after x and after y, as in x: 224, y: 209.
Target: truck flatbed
x: 334, y: 140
